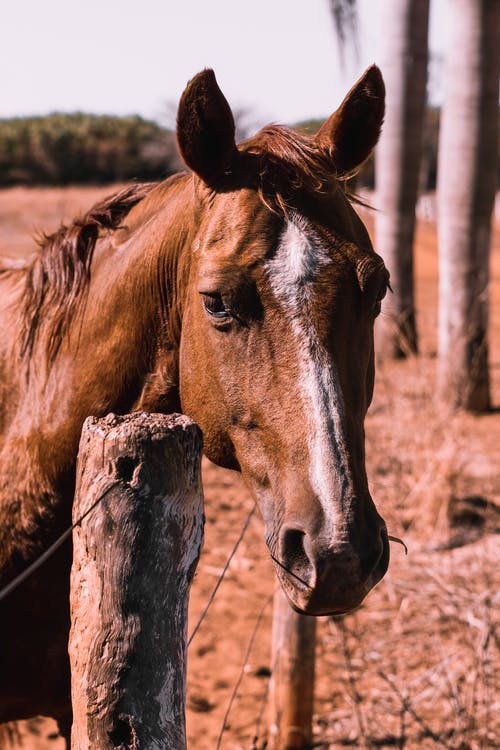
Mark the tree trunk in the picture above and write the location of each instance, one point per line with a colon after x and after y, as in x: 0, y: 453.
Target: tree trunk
x: 466, y: 189
x: 403, y: 61
x: 135, y: 552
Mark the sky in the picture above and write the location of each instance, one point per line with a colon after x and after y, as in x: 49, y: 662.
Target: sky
x: 276, y: 58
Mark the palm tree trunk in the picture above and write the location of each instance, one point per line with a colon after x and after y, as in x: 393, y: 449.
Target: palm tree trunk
x: 403, y: 59
x: 466, y: 189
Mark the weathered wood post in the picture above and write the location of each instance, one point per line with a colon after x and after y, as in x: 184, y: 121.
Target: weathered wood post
x: 292, y: 680
x: 135, y: 554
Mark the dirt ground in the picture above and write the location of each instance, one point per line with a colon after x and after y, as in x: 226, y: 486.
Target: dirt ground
x: 417, y: 665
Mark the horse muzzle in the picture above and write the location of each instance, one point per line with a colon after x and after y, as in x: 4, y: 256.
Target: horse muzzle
x: 329, y: 578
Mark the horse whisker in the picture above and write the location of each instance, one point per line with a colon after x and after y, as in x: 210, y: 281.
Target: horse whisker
x: 291, y: 573
x: 399, y: 541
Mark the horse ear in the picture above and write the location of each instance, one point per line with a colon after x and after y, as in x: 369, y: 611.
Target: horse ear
x: 351, y: 133
x: 205, y: 127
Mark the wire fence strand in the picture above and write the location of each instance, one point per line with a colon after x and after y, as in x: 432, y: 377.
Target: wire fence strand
x: 222, y: 576
x: 242, y: 670
x: 19, y: 579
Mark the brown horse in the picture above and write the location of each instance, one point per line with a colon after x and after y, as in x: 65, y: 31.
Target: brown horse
x: 242, y: 294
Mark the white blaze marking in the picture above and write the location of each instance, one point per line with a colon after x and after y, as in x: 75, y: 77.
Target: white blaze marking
x: 292, y: 271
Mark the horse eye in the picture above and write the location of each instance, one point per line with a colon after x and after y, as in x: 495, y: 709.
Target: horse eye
x: 214, y: 305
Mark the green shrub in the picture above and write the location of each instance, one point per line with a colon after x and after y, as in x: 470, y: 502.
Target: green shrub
x: 79, y: 148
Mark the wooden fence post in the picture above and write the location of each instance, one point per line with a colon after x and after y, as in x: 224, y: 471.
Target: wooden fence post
x: 292, y: 680
x: 135, y: 554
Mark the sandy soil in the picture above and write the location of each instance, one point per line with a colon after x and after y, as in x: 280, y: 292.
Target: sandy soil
x: 417, y: 665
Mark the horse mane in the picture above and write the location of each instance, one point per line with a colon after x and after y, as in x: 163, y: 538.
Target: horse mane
x: 58, y: 276
x: 288, y: 162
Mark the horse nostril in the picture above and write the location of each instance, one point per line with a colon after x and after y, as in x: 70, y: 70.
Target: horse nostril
x: 294, y: 557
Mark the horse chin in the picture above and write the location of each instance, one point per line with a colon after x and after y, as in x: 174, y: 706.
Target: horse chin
x: 314, y: 605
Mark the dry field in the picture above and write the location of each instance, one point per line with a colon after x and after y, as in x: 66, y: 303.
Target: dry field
x: 417, y: 665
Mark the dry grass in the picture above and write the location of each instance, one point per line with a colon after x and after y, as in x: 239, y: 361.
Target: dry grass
x: 416, y: 666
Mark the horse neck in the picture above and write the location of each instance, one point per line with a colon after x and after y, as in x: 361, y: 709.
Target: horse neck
x: 119, y: 354
x: 126, y: 345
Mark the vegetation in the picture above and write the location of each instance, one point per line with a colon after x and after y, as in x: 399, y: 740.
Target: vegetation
x: 62, y: 149
x: 80, y: 148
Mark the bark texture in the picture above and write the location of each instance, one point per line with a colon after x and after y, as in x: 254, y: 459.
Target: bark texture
x: 292, y: 681
x: 135, y: 553
x: 403, y: 60
x: 467, y: 169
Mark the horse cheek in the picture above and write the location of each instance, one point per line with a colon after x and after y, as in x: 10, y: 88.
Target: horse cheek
x: 200, y: 390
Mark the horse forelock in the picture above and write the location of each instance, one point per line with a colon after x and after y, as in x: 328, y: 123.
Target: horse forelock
x: 287, y: 162
x: 58, y: 276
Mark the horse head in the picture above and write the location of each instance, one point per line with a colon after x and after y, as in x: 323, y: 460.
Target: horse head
x: 276, y: 359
